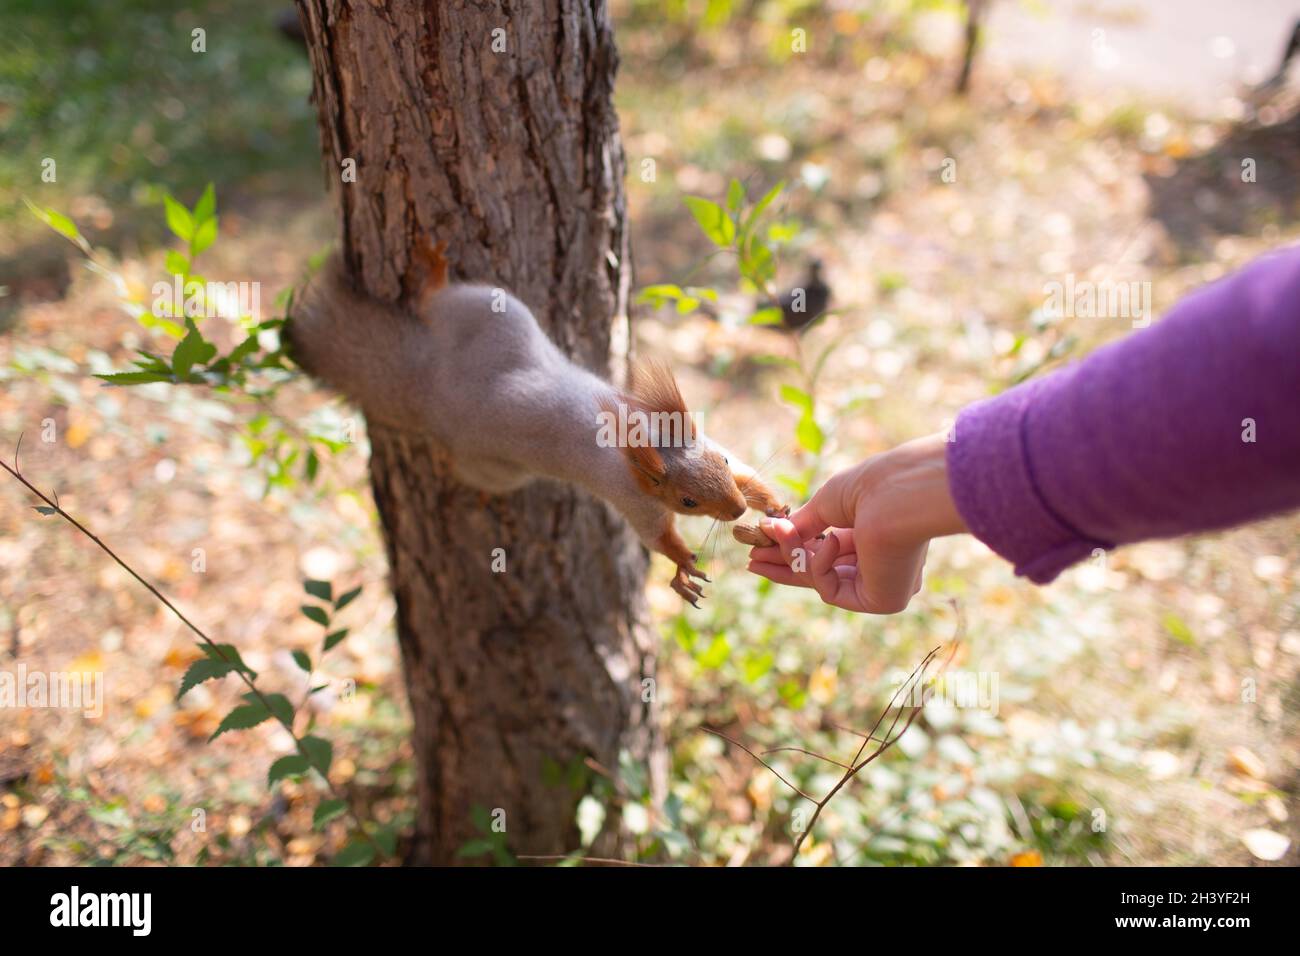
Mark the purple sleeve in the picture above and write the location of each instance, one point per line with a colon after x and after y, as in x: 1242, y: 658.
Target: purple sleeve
x: 1189, y: 425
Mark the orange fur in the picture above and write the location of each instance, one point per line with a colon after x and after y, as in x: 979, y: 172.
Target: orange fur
x: 428, y: 271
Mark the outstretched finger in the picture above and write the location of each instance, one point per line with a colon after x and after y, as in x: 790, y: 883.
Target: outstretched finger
x: 779, y: 573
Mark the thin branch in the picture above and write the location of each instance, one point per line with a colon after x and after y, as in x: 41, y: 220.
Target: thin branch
x: 849, y: 730
x: 777, y: 750
x: 732, y: 740
x: 917, y: 679
x: 53, y: 504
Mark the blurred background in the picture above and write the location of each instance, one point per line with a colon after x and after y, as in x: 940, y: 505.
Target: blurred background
x: 1146, y: 703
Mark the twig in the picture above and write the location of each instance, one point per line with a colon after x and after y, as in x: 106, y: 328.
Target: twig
x: 53, y: 504
x: 809, y: 753
x: 732, y: 740
x: 917, y: 679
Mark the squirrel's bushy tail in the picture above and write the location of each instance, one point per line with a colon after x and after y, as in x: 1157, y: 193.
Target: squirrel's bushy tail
x: 369, y: 352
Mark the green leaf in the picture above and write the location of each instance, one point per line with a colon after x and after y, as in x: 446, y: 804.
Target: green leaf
x: 386, y: 837
x: 333, y: 639
x: 291, y: 766
x: 319, y: 589
x: 757, y: 264
x: 1177, y: 628
x: 716, y: 654
x: 347, y: 599
x: 477, y: 847
x: 46, y: 510
x: 317, y: 614
x: 775, y: 360
x: 713, y: 220
x: 241, y: 718
x: 800, y: 486
x: 203, y: 670
x: 244, y: 349
x: 134, y: 378
x: 756, y: 665
x: 150, y: 321
x: 60, y: 224
x: 227, y: 652
x: 810, y: 434
x: 303, y: 660
x: 768, y: 198
x: 281, y: 707
x: 735, y: 195
x: 797, y: 397
x: 310, y: 466
x: 176, y: 263
x: 179, y: 220
x: 320, y: 753
x: 783, y: 231
x: 328, y: 810
x: 193, y: 350
x: 205, y: 234
x: 359, y: 852
x: 206, y: 207
x: 769, y: 316
x: 657, y: 295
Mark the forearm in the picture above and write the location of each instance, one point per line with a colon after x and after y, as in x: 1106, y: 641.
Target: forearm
x: 1190, y: 425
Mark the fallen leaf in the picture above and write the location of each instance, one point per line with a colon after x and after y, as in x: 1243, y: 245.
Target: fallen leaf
x: 1246, y: 763
x: 154, y: 803
x: 34, y: 815
x: 1265, y: 844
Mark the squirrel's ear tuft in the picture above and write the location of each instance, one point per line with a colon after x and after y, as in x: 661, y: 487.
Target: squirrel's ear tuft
x: 644, y: 460
x: 647, y: 465
x: 655, y: 387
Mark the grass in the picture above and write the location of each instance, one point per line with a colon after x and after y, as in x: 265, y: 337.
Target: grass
x: 118, y: 98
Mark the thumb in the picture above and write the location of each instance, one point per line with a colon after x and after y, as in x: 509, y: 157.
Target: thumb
x: 832, y: 506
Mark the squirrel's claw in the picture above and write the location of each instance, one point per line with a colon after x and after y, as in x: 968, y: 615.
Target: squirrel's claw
x: 764, y: 501
x: 684, y: 586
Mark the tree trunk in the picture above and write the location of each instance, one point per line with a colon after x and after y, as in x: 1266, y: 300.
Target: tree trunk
x: 490, y: 126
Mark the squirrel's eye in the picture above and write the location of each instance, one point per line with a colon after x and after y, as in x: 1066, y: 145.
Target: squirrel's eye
x: 689, y: 502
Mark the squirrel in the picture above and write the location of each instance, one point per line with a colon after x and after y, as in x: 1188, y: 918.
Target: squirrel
x: 469, y: 366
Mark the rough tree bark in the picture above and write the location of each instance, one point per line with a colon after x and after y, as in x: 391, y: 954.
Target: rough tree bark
x: 490, y: 125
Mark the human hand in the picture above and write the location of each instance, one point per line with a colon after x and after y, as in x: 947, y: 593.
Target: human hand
x: 861, y: 540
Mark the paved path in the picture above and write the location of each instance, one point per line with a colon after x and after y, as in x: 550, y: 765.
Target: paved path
x: 1197, y: 51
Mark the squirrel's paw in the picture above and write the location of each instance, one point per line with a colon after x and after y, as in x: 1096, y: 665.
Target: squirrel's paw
x: 762, y: 499
x: 688, y: 589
